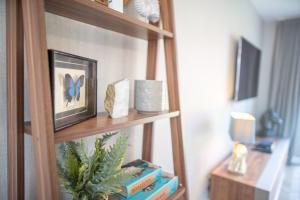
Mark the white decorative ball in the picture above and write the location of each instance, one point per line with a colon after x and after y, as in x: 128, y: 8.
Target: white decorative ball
x: 148, y: 9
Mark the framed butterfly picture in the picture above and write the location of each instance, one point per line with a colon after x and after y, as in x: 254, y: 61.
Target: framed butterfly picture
x: 74, y: 88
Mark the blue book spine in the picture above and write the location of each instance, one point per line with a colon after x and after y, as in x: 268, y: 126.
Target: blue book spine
x: 146, y: 174
x: 160, y: 190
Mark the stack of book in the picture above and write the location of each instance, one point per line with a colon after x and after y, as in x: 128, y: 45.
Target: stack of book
x: 266, y: 146
x: 148, y: 183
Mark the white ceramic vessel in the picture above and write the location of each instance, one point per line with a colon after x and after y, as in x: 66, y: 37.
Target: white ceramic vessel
x: 148, y: 9
x: 149, y: 96
x: 116, y: 5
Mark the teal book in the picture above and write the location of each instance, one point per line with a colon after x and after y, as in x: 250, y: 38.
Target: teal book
x: 160, y: 190
x: 145, y: 174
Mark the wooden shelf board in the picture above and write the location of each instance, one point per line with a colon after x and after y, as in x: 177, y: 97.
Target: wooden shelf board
x: 102, y: 123
x: 178, y: 194
x: 93, y: 13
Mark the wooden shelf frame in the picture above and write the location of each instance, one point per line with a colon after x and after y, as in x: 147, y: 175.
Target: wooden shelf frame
x: 102, y: 124
x: 179, y: 194
x: 15, y: 99
x: 99, y: 15
x: 30, y: 15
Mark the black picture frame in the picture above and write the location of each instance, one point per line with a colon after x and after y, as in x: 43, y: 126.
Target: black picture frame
x: 73, y: 87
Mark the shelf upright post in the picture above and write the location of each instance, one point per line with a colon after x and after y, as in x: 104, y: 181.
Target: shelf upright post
x: 15, y: 99
x: 40, y: 98
x: 150, y: 75
x: 167, y: 13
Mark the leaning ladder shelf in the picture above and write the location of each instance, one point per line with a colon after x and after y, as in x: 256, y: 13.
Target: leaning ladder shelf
x: 26, y: 19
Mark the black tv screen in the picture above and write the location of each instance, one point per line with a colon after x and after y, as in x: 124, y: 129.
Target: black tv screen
x: 247, y: 70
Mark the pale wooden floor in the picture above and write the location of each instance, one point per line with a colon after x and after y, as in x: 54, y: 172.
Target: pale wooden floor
x: 291, y: 184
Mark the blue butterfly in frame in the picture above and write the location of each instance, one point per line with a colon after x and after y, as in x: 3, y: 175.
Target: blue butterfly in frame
x: 73, y: 88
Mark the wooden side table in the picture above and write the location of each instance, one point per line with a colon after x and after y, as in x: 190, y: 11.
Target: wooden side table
x: 262, y: 180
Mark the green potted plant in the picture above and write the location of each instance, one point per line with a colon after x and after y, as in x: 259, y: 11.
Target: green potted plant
x: 96, y: 176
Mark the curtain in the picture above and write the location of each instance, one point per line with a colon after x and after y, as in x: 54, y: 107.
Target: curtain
x: 284, y: 95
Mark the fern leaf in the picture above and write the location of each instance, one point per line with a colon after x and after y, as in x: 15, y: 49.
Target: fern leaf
x: 72, y: 164
x: 92, y: 177
x: 81, y: 152
x: 115, y: 156
x: 107, y: 137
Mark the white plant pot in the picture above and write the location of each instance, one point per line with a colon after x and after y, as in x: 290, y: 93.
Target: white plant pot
x: 149, y: 96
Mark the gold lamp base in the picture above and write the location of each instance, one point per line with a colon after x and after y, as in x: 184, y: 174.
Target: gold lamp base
x: 238, y: 164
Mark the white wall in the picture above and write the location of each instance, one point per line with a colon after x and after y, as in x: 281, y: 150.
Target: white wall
x: 207, y: 32
x: 269, y: 32
x: 206, y: 35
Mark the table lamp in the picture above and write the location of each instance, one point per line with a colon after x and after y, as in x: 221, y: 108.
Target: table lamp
x: 242, y: 130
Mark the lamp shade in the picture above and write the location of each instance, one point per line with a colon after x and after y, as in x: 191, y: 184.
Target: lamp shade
x: 242, y: 128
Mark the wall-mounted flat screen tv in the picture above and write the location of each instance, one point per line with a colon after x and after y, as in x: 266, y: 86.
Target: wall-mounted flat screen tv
x: 247, y: 70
